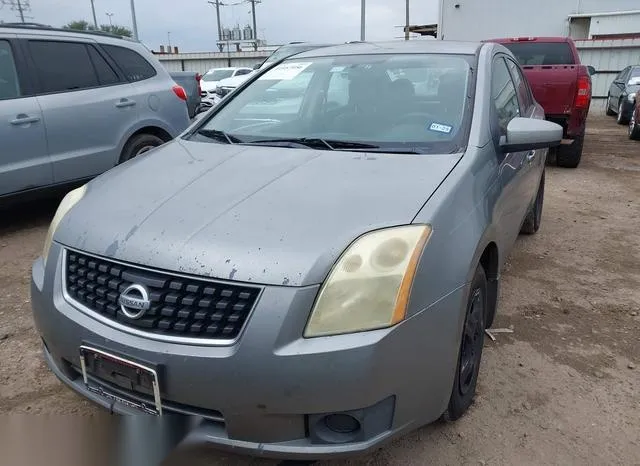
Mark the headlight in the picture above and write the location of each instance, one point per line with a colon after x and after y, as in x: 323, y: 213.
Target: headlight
x: 71, y: 199
x: 369, y: 286
x: 632, y: 98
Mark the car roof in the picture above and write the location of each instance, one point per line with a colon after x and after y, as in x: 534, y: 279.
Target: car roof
x: 527, y: 39
x: 43, y: 29
x: 395, y: 47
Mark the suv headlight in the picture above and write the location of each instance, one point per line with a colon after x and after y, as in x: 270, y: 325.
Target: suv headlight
x: 369, y: 286
x: 67, y: 203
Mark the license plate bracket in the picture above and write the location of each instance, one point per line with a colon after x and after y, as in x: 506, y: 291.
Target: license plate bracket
x: 123, y: 372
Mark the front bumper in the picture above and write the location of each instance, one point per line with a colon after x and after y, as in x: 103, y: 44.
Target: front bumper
x: 269, y: 393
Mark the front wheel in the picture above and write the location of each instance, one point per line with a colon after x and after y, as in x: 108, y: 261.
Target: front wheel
x: 533, y: 219
x: 608, y: 111
x: 464, y: 385
x: 622, y: 118
x: 634, y: 126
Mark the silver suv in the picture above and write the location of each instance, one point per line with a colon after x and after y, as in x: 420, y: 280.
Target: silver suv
x: 75, y: 104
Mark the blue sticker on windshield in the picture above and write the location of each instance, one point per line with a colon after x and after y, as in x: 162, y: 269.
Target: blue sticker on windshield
x: 440, y: 128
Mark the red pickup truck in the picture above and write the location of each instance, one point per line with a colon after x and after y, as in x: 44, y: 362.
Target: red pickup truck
x: 560, y: 83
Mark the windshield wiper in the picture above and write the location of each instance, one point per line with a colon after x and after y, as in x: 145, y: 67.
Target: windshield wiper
x: 314, y: 143
x: 332, y: 144
x: 219, y: 135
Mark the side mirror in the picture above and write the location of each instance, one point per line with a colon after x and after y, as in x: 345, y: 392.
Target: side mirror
x: 525, y: 134
x: 591, y: 69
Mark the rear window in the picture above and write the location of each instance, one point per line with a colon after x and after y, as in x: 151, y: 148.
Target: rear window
x: 133, y: 65
x: 541, y: 53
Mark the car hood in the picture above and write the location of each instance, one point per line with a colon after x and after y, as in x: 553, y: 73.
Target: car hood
x: 235, y: 81
x: 208, y: 85
x: 268, y: 215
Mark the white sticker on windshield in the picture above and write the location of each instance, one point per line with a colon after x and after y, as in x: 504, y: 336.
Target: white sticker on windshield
x: 285, y: 71
x: 440, y: 128
x: 337, y: 69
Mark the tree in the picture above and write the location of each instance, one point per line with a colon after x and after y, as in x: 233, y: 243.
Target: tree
x: 82, y: 25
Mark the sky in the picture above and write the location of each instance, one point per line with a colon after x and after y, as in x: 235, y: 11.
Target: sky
x: 192, y: 23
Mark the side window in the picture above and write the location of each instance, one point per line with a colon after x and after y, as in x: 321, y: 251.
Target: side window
x: 9, y: 85
x: 241, y: 72
x: 623, y: 74
x: 522, y: 86
x: 503, y: 94
x: 105, y: 73
x: 338, y: 90
x: 62, y: 66
x: 133, y: 65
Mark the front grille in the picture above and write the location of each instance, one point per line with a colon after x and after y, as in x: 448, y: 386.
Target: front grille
x: 180, y: 306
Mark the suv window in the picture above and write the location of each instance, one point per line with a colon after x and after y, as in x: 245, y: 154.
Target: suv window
x: 503, y: 94
x: 524, y: 94
x: 62, y: 66
x: 241, y: 72
x: 542, y: 53
x: 133, y: 65
x: 9, y: 86
x: 105, y: 73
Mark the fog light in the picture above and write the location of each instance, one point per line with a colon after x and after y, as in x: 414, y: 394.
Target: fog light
x: 342, y: 423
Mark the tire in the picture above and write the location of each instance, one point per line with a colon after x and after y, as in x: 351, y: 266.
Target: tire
x: 570, y: 156
x: 533, y: 219
x: 608, y: 110
x: 622, y: 119
x: 470, y: 353
x: 138, y: 145
x: 634, y: 126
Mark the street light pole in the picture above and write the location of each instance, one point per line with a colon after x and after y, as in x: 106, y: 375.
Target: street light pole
x: 217, y: 4
x: 93, y: 11
x: 406, y: 29
x: 133, y: 20
x: 362, y: 19
x: 110, y: 21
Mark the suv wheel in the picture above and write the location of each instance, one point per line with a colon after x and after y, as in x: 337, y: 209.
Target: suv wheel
x: 608, y: 110
x: 569, y: 156
x: 634, y: 126
x: 138, y: 145
x: 622, y: 118
x: 470, y: 355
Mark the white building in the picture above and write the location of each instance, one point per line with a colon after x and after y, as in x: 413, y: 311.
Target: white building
x: 580, y: 19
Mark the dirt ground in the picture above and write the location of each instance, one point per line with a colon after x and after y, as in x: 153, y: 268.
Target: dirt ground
x: 563, y: 388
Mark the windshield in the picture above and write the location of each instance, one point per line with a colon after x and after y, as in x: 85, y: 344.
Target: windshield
x: 392, y: 102
x: 217, y: 75
x: 541, y: 53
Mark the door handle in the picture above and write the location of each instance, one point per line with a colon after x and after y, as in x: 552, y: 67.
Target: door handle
x: 125, y: 103
x: 23, y: 119
x: 531, y: 155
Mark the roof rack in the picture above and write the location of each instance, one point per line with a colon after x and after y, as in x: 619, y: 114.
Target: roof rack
x: 46, y: 27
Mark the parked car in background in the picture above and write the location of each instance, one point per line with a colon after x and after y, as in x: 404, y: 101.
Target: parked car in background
x: 311, y: 279
x: 212, y: 77
x: 622, y: 94
x: 634, y: 120
x: 228, y: 85
x: 190, y: 81
x: 75, y: 104
x: 561, y: 84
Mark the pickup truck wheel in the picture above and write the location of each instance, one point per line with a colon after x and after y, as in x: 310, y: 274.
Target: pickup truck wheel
x: 569, y: 156
x: 608, y: 110
x: 470, y: 353
x: 622, y: 118
x: 534, y: 217
x: 634, y: 127
x: 138, y: 145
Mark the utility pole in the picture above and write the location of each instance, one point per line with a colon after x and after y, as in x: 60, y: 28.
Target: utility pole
x: 255, y: 28
x: 218, y: 4
x: 93, y: 11
x: 133, y: 19
x: 406, y: 29
x: 362, y: 19
x: 21, y: 6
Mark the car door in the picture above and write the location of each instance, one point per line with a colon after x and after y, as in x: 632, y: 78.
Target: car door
x: 513, y: 202
x: 24, y: 162
x: 534, y: 161
x: 88, y: 106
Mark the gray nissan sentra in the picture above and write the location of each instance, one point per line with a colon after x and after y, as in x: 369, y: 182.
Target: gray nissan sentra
x: 310, y: 268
